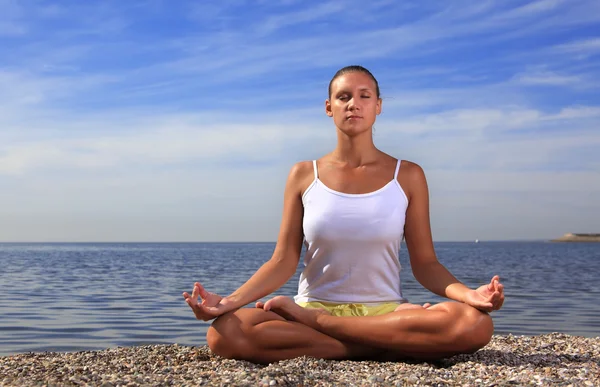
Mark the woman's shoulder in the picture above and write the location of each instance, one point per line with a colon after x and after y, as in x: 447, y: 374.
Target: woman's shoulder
x: 411, y: 169
x: 301, y: 175
x: 302, y: 168
x: 406, y: 167
x: 411, y: 178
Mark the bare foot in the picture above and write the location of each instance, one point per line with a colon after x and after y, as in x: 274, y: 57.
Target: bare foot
x: 411, y: 306
x: 288, y: 309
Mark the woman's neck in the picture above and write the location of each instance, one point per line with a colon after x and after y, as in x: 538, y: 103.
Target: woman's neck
x: 355, y: 151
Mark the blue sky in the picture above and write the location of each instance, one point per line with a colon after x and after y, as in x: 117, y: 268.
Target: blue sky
x: 169, y: 121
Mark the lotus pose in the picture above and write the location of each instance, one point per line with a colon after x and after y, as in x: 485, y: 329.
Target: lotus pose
x: 351, y: 208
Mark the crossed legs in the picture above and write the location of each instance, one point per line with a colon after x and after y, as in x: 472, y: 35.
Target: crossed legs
x: 287, y: 331
x: 263, y: 336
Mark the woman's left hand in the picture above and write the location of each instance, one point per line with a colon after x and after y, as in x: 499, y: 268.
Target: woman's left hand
x: 488, y: 297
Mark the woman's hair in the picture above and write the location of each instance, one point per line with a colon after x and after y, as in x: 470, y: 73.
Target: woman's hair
x: 352, y: 69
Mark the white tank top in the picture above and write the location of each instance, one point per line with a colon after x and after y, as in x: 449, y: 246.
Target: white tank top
x: 352, y: 243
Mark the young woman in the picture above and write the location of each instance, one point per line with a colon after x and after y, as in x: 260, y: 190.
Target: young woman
x: 351, y: 208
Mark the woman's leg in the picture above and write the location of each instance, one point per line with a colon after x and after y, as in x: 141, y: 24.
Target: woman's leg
x: 438, y: 331
x: 260, y: 336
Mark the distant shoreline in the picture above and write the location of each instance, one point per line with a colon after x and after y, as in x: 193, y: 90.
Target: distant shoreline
x: 572, y: 237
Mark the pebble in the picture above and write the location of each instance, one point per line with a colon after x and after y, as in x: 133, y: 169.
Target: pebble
x: 553, y: 359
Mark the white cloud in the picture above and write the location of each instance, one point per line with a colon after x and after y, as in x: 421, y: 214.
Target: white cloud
x: 159, y: 147
x: 581, y: 46
x: 535, y: 7
x: 212, y: 204
x: 191, y: 137
x: 546, y: 78
x: 576, y: 112
x: 12, y: 29
x: 279, y: 21
x: 243, y: 52
x: 494, y: 120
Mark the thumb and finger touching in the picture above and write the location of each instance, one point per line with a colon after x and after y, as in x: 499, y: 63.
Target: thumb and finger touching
x: 201, y: 291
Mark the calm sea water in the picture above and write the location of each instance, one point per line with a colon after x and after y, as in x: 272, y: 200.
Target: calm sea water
x: 69, y: 297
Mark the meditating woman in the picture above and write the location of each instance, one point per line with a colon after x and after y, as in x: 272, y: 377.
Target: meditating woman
x: 351, y: 208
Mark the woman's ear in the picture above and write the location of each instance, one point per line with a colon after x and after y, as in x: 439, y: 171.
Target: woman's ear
x: 328, y: 108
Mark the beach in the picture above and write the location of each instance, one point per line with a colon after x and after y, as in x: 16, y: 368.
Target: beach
x: 550, y: 359
x: 81, y: 330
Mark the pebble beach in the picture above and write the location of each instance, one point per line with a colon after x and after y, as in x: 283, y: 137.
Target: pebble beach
x: 553, y: 359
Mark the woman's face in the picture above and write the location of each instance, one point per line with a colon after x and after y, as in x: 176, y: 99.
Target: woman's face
x: 353, y: 103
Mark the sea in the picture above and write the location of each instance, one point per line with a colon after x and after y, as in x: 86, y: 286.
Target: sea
x: 66, y: 297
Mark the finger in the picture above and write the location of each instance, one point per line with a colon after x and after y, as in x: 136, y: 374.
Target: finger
x: 186, y: 295
x: 199, y: 310
x: 267, y: 305
x: 500, y: 302
x: 195, y: 292
x: 489, y: 299
x: 426, y: 305
x: 494, y: 298
x: 492, y: 285
x: 260, y: 304
x: 190, y: 301
x: 203, y: 293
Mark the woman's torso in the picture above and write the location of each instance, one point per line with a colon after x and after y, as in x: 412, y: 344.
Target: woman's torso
x: 353, y: 227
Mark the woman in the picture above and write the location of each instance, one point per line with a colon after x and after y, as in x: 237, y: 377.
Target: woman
x: 352, y: 207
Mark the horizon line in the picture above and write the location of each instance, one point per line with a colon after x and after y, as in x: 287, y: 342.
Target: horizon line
x: 257, y: 242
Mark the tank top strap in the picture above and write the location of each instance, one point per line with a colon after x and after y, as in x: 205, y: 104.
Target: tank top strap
x: 315, y: 168
x: 397, y: 169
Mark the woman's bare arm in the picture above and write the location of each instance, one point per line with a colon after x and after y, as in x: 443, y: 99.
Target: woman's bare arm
x: 273, y: 273
x: 425, y: 266
x: 281, y: 267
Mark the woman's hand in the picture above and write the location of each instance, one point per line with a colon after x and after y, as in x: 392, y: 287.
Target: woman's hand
x: 487, y: 297
x: 212, y: 304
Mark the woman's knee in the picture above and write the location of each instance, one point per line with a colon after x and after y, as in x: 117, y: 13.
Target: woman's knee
x: 222, y: 336
x: 230, y: 335
x: 226, y: 336
x: 474, y: 328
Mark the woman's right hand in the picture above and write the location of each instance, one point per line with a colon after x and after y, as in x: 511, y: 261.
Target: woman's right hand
x: 211, y: 306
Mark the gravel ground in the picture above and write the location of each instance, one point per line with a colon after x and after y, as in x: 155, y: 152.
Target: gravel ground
x: 554, y: 359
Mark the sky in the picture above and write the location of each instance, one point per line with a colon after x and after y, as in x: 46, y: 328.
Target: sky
x: 179, y: 121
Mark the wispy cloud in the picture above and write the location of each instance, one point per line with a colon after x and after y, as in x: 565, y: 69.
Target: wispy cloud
x: 546, y: 78
x: 11, y: 29
x: 534, y: 8
x: 288, y: 19
x: 582, y: 49
x: 164, y: 146
x: 497, y: 100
